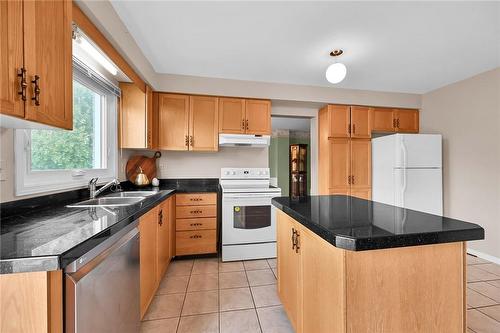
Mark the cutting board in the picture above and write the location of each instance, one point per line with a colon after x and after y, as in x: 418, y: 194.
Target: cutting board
x: 147, y: 164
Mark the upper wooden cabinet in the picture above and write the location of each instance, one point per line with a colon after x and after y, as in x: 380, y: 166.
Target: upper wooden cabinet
x: 395, y: 120
x: 231, y: 115
x: 188, y: 122
x: 406, y: 121
x: 244, y: 116
x: 12, y: 58
x: 36, y: 61
x: 137, y: 117
x: 173, y: 122
x: 346, y: 121
x: 361, y: 122
x: 203, y: 123
x: 258, y: 117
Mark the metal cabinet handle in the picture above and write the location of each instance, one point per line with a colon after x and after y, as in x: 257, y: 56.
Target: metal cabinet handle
x: 297, y: 242
x: 195, y: 236
x: 246, y: 124
x: 36, y: 90
x: 349, y: 129
x: 243, y: 124
x: 196, y: 211
x: 160, y: 216
x: 394, y: 123
x: 354, y: 128
x: 352, y: 179
x: 191, y: 140
x: 195, y: 199
x: 349, y: 180
x: 186, y: 141
x: 397, y: 123
x: 294, y: 239
x: 196, y: 224
x: 21, y: 73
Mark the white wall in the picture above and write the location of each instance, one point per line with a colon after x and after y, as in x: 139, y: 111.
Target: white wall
x: 467, y: 114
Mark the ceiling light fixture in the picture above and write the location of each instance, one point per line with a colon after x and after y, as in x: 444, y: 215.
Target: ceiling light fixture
x: 337, y: 71
x: 94, y: 52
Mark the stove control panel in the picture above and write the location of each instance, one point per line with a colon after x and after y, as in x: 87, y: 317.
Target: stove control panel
x: 244, y: 173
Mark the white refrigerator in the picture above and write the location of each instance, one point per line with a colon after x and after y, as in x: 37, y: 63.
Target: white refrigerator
x: 407, y: 171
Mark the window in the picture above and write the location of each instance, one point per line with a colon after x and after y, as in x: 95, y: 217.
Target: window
x: 60, y: 159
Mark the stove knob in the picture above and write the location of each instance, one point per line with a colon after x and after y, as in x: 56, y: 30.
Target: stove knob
x: 233, y: 173
x: 261, y: 173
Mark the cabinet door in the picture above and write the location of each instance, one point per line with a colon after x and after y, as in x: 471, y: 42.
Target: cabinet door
x: 173, y: 122
x: 406, y: 121
x: 172, y: 225
x: 258, y: 117
x: 321, y: 285
x: 11, y: 57
x: 339, y: 119
x: 203, y: 123
x: 133, y: 117
x: 232, y: 115
x: 361, y: 119
x: 163, y: 230
x: 148, y: 261
x: 361, y: 164
x: 288, y: 268
x: 48, y: 57
x: 339, y: 164
x: 383, y: 120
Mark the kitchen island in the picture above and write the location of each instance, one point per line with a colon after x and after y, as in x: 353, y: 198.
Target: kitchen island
x: 352, y: 265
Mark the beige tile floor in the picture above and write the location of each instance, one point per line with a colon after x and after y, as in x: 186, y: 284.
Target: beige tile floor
x: 206, y: 295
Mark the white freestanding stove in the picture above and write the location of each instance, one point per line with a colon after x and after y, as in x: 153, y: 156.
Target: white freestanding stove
x: 248, y: 218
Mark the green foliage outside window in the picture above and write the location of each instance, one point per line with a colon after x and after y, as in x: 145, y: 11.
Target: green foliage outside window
x: 61, y: 149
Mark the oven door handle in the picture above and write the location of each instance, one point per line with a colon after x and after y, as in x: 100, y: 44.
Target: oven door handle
x: 255, y: 196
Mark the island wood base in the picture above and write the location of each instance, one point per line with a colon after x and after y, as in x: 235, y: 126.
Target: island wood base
x: 31, y: 302
x: 406, y: 289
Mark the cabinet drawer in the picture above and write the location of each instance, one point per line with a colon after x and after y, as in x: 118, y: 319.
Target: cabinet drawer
x: 196, y: 224
x: 195, y: 211
x: 196, y: 199
x: 195, y: 242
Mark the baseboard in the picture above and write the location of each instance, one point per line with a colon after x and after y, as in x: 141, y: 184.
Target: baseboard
x: 484, y: 256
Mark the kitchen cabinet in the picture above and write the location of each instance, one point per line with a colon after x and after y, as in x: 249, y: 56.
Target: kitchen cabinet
x: 187, y: 122
x: 173, y: 122
x: 148, y: 257
x: 137, y: 119
x: 391, y: 120
x: 203, y: 123
x: 196, y: 223
x: 360, y: 154
x: 346, y: 121
x: 288, y: 268
x: 163, y: 238
x: 327, y: 289
x: 232, y: 115
x: 36, y: 71
x: 244, y: 116
x: 339, y: 164
x: 406, y: 121
x: 31, y: 302
x: 258, y: 117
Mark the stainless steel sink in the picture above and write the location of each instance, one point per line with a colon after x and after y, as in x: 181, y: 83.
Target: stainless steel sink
x: 108, y: 202
x: 131, y: 194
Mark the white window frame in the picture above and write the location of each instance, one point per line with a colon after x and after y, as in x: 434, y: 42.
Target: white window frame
x: 40, y: 181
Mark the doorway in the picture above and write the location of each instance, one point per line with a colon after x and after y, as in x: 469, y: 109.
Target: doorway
x: 290, y: 155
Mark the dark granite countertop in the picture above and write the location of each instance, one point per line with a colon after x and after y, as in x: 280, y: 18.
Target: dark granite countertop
x: 42, y: 234
x: 357, y: 224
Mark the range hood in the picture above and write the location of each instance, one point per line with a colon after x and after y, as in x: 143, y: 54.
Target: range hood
x: 244, y: 140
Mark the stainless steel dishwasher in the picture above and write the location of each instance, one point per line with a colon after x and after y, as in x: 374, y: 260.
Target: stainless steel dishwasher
x: 102, y: 286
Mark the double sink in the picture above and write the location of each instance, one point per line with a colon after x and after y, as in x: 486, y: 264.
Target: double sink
x: 118, y: 199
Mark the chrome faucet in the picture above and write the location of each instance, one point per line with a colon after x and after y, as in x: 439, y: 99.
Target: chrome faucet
x: 92, y: 187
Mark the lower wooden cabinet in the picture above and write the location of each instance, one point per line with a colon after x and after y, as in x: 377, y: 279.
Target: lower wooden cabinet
x: 196, y: 223
x: 156, y: 234
x: 325, y: 289
x: 148, y: 257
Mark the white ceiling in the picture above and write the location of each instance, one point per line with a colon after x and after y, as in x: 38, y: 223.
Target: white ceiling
x: 403, y: 47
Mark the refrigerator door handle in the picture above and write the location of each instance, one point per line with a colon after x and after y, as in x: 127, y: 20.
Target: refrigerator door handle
x: 405, y: 176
